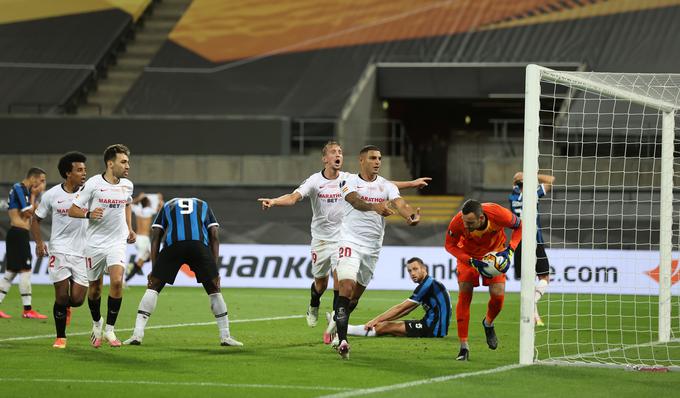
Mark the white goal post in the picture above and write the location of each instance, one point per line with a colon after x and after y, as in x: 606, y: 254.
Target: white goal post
x: 609, y: 140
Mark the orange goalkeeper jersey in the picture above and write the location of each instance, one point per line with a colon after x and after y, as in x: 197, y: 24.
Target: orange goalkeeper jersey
x: 463, y: 244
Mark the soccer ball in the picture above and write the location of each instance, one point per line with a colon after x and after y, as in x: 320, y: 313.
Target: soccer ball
x: 495, y: 265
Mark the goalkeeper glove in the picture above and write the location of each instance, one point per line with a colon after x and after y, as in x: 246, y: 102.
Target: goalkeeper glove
x: 480, y: 266
x: 507, y: 253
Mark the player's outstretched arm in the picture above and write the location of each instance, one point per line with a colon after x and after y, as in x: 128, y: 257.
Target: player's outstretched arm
x: 394, y: 313
x: 405, y: 210
x: 419, y: 183
x: 381, y: 208
x: 288, y: 199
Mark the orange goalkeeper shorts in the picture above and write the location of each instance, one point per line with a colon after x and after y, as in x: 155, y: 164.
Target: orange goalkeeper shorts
x: 467, y: 273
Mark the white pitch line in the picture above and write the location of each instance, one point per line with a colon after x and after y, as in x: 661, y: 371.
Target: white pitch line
x: 177, y: 325
x: 366, y: 391
x: 182, y: 384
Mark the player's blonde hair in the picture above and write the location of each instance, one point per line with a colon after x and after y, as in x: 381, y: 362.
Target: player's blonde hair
x: 328, y: 145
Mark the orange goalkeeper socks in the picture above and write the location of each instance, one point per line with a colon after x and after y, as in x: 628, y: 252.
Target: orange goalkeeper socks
x: 463, y: 314
x: 495, y: 306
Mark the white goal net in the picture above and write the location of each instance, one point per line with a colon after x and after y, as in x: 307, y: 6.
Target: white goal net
x: 611, y: 224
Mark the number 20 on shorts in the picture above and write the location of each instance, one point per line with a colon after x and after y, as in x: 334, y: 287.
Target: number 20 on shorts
x: 345, y: 252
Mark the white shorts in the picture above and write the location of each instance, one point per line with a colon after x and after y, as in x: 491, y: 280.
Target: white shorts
x: 143, y: 245
x: 356, y: 262
x: 324, y: 257
x: 64, y: 266
x: 100, y: 259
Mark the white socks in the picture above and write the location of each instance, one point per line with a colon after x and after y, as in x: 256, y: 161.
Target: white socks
x: 146, y: 307
x: 6, y: 283
x: 219, y: 309
x: 358, y: 330
x: 25, y: 287
x: 541, y: 285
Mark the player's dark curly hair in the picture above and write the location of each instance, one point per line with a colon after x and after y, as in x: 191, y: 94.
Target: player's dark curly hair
x: 66, y: 162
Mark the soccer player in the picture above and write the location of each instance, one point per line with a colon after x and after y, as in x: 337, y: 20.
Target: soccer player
x: 66, y: 264
x: 545, y: 183
x: 23, y: 199
x: 144, y: 212
x: 368, y: 197
x: 479, y: 228
x: 105, y: 201
x: 323, y: 191
x: 429, y: 293
x: 189, y: 232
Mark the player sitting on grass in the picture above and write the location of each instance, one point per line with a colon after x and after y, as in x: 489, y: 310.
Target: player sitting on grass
x: 431, y: 294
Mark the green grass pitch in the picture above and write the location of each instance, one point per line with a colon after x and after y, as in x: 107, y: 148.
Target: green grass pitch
x: 282, y: 357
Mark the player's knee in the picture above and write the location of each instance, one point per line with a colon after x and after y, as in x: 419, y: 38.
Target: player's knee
x: 116, y: 285
x: 211, y: 287
x: 154, y: 283
x: 380, y: 328
x: 94, y: 291
x: 76, y: 301
x: 497, y: 290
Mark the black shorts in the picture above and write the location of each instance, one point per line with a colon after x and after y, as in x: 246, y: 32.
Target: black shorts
x: 193, y: 253
x: 18, y: 250
x: 542, y: 264
x: 417, y: 329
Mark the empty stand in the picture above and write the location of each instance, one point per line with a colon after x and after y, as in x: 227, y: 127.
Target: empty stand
x: 52, y: 54
x: 138, y: 53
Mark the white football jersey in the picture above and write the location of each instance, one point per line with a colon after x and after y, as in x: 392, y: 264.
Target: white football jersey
x: 365, y: 228
x: 327, y: 207
x: 111, y: 229
x: 68, y: 233
x: 143, y: 212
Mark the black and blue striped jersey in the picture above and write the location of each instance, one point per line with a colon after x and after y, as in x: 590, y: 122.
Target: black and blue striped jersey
x: 436, y: 302
x: 185, y: 219
x: 516, y: 201
x: 19, y: 197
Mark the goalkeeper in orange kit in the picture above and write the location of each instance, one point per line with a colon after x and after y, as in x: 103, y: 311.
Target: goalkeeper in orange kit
x: 479, y: 228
